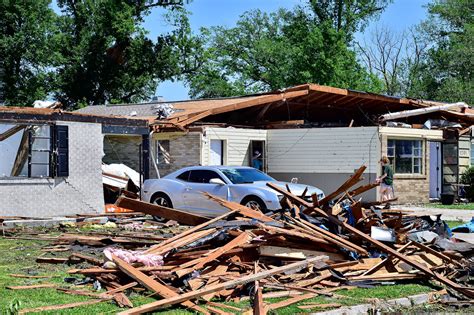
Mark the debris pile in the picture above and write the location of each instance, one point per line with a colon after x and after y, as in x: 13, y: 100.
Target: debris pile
x: 308, y: 249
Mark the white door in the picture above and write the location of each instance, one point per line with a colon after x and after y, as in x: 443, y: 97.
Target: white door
x: 217, y: 156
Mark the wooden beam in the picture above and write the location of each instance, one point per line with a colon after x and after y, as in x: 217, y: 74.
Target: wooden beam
x: 250, y: 213
x: 164, y: 212
x: 291, y: 301
x: 155, y: 248
x: 60, y: 306
x: 10, y: 132
x: 151, y: 284
x: 316, y: 262
x: 354, y: 179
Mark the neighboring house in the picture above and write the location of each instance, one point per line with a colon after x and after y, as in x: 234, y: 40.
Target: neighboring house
x: 317, y: 134
x: 51, y: 160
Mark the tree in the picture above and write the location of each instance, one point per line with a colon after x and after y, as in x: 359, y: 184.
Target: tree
x: 106, y: 56
x: 446, y: 74
x: 394, y: 58
x: 27, y: 29
x: 348, y: 16
x: 269, y: 51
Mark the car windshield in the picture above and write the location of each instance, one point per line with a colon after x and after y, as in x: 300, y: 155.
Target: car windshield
x: 245, y: 175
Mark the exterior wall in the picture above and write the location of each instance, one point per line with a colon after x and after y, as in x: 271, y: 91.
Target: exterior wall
x: 80, y: 192
x: 236, y: 144
x: 464, y: 154
x: 324, y: 157
x: 185, y: 150
x: 122, y: 149
x: 412, y: 188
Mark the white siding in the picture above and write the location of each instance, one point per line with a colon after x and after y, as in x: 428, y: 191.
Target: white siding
x: 236, y: 143
x: 323, y: 150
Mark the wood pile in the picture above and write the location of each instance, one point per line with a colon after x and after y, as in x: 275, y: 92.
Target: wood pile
x: 308, y: 249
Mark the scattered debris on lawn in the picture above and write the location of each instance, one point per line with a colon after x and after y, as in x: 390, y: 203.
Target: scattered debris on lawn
x: 312, y: 247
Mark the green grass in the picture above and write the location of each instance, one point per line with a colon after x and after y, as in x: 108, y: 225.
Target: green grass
x: 18, y: 256
x: 452, y: 224
x: 456, y: 206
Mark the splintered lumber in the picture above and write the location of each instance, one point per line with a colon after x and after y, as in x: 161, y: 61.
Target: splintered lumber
x: 444, y: 280
x: 354, y: 179
x: 160, y: 211
x: 243, y: 238
x: 243, y: 210
x: 87, y: 258
x: 155, y: 248
x: 151, y: 284
x: 35, y: 286
x: 294, y: 253
x: 188, y: 239
x: 52, y: 260
x: 258, y: 305
x: 436, y: 253
x: 317, y: 262
x: 293, y: 300
x: 362, y: 189
x: 60, y: 306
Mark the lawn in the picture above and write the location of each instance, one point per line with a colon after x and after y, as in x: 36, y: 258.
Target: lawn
x: 18, y: 257
x: 456, y: 206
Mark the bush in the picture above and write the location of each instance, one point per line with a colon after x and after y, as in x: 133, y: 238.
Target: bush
x: 467, y: 178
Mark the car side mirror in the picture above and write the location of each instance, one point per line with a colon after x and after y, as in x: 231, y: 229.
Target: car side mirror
x: 216, y: 181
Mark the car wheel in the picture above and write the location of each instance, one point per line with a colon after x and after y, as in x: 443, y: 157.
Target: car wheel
x: 163, y: 200
x: 254, y: 203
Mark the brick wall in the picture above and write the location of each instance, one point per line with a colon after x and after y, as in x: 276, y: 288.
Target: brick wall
x: 122, y: 150
x: 80, y: 192
x: 412, y: 189
x: 184, y: 151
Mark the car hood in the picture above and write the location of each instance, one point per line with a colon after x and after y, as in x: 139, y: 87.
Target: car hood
x: 296, y: 189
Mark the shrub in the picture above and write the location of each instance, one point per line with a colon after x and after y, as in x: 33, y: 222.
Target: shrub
x: 467, y: 178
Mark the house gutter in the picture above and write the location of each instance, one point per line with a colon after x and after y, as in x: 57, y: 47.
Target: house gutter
x: 422, y: 111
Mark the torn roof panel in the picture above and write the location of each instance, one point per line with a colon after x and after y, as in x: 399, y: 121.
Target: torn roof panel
x: 31, y: 115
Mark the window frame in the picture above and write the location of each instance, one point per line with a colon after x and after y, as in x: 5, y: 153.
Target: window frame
x: 421, y: 157
x: 53, y: 150
x: 158, y: 152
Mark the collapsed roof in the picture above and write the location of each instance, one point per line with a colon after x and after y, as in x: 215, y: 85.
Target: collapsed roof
x: 308, y: 104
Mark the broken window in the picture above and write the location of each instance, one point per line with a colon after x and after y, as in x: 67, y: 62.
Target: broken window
x: 163, y: 156
x: 33, y: 150
x: 406, y: 156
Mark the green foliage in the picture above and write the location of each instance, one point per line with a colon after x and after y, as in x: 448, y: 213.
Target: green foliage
x: 467, y: 178
x: 446, y: 74
x: 106, y: 56
x: 26, y: 49
x: 269, y: 51
x: 93, y: 52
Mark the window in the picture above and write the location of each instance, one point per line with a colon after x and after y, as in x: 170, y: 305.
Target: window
x: 245, y: 175
x: 202, y: 176
x: 406, y: 156
x: 33, y: 151
x: 163, y: 156
x: 184, y: 176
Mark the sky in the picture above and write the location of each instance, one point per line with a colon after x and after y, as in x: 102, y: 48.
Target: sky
x: 399, y: 16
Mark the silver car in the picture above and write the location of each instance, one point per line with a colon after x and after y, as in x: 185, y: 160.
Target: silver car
x: 184, y: 189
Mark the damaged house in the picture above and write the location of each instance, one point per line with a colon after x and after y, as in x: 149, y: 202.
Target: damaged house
x: 51, y: 160
x: 315, y: 134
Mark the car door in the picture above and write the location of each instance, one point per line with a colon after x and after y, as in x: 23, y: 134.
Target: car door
x: 196, y: 201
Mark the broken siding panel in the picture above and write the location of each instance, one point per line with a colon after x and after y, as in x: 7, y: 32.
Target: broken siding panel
x: 236, y: 144
x: 323, y: 150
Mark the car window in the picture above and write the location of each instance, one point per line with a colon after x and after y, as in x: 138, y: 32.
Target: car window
x: 202, y: 176
x: 245, y: 175
x: 184, y: 176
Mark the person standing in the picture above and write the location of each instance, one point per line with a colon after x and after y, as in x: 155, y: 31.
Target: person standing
x: 386, y: 180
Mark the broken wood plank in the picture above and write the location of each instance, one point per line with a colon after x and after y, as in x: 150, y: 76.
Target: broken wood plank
x: 250, y: 213
x: 354, y: 179
x: 160, y: 211
x: 294, y: 253
x: 32, y: 277
x: 152, y: 284
x: 317, y: 262
x: 87, y: 258
x: 154, y: 249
